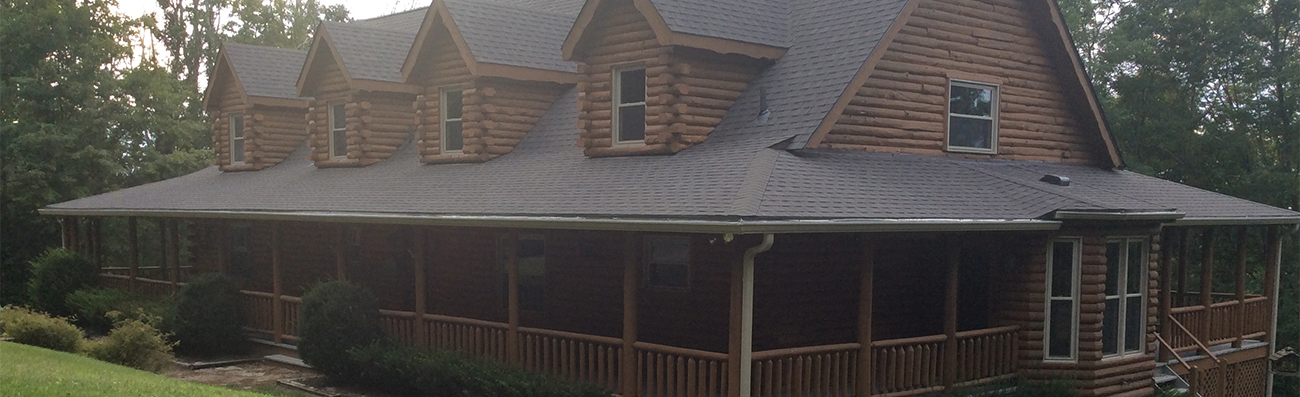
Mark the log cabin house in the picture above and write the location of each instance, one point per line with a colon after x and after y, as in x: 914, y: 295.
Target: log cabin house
x: 729, y: 198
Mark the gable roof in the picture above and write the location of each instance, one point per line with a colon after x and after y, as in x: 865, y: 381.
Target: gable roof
x: 260, y: 72
x: 371, y: 50
x: 754, y: 28
x: 488, y: 33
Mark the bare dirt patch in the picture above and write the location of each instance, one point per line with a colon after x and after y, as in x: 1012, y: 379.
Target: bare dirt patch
x: 246, y: 376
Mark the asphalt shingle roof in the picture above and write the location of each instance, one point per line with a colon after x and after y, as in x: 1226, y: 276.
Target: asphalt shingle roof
x: 749, y: 21
x: 266, y: 71
x: 371, y: 53
x: 514, y: 35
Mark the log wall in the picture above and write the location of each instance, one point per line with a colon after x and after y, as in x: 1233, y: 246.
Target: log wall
x: 229, y: 101
x: 377, y: 122
x: 903, y: 105
x: 272, y: 133
x: 687, y: 91
x: 441, y: 65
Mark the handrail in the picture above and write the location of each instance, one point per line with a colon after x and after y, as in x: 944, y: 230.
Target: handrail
x: 144, y: 267
x: 909, y: 341
x: 1186, y: 309
x: 679, y: 351
x: 259, y: 294
x: 290, y: 299
x: 1166, y: 345
x: 603, y: 340
x: 396, y: 313
x: 807, y: 350
x: 466, y: 321
x: 117, y: 276
x: 1199, y: 344
x: 987, y: 331
x: 1254, y: 299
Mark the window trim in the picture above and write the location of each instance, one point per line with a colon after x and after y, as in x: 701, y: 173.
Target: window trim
x: 646, y: 265
x: 1124, y: 296
x: 1074, y: 298
x: 242, y: 138
x: 616, y: 99
x: 331, y: 128
x: 995, y: 109
x: 442, y: 120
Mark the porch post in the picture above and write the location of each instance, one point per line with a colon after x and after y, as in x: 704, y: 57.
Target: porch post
x: 1166, y: 279
x: 512, y: 275
x: 866, y: 289
x: 1207, y: 285
x: 174, y: 274
x: 1239, y: 326
x: 1184, y: 257
x: 92, y: 238
x: 277, y: 307
x: 628, y: 371
x: 133, y: 246
x: 222, y: 241
x: 421, y: 337
x: 163, y: 251
x: 950, y: 316
x: 340, y: 263
x: 63, y: 232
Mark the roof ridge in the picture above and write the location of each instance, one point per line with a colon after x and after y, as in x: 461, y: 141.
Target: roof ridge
x: 420, y: 9
x: 511, y: 5
x: 1031, y: 186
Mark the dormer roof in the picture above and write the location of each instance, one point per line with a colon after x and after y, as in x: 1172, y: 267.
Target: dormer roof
x: 490, y: 35
x: 370, y: 56
x: 263, y: 73
x: 755, y: 28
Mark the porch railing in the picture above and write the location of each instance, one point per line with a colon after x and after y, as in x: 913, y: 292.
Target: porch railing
x: 258, y: 311
x: 289, y: 306
x: 399, y: 325
x: 986, y: 355
x: 572, y: 356
x: 830, y: 370
x: 674, y: 371
x: 145, y: 286
x: 908, y: 366
x: 1252, y: 315
x: 485, y: 339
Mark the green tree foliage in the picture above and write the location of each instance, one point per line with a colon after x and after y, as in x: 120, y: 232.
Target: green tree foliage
x: 281, y: 23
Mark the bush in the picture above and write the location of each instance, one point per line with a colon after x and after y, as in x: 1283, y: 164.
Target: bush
x: 38, y: 329
x: 56, y: 274
x: 209, y: 317
x: 134, y: 344
x: 90, y: 307
x: 336, y: 317
x: 403, y: 370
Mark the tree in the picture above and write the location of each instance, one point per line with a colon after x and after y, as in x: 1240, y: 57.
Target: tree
x: 279, y: 23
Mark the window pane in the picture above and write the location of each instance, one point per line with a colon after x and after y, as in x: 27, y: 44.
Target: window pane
x: 1062, y: 269
x: 1135, y: 266
x: 631, y: 86
x: 1062, y: 321
x: 532, y: 274
x: 668, y: 262
x: 453, y: 104
x: 971, y: 101
x: 972, y: 133
x: 631, y: 123
x: 340, y: 115
x: 237, y: 126
x: 340, y: 139
x: 237, y: 150
x: 454, y: 139
x: 1133, y: 332
x: 1112, y: 268
x: 1110, y: 327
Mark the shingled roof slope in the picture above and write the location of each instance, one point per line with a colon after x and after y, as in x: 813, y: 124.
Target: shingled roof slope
x: 409, y: 20
x: 750, y: 21
x: 266, y: 71
x: 514, y: 35
x: 371, y: 53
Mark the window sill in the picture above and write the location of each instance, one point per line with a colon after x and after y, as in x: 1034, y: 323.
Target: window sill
x: 339, y: 163
x: 629, y: 150
x: 965, y: 150
x: 452, y: 158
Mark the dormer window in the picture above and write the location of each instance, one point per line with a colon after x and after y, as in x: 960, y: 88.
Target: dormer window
x: 237, y: 139
x: 629, y: 104
x: 338, y: 131
x: 453, y: 139
x: 972, y: 117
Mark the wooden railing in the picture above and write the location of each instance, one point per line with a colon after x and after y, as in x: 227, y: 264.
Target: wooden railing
x: 485, y: 339
x: 576, y: 357
x: 908, y: 366
x: 258, y: 312
x: 399, y: 325
x: 986, y: 355
x: 1258, y: 317
x: 289, y: 316
x: 1190, y: 318
x: 1253, y: 316
x: 1223, y: 323
x: 674, y: 371
x: 108, y: 280
x: 829, y: 371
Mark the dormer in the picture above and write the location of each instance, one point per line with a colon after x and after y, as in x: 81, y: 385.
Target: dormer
x: 257, y: 115
x: 974, y: 79
x: 656, y: 79
x: 487, y: 72
x: 361, y: 111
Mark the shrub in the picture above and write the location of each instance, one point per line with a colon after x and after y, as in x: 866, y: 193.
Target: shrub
x: 337, y: 316
x: 209, y: 317
x: 90, y: 307
x: 56, y: 274
x: 41, y: 330
x: 403, y: 370
x: 134, y: 344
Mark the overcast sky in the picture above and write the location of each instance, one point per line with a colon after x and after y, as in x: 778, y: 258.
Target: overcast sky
x: 359, y: 9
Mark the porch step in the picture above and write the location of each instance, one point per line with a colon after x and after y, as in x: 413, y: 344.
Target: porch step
x: 286, y: 360
x: 1165, y: 376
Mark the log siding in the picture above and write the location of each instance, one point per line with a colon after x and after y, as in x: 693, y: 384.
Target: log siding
x: 902, y: 107
x: 271, y: 133
x: 378, y: 123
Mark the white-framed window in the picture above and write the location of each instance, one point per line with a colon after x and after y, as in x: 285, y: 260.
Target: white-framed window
x: 237, y: 138
x: 629, y: 104
x: 532, y: 271
x: 1061, y: 328
x: 451, y: 126
x: 1123, y: 321
x: 338, y: 141
x: 972, y: 117
x: 668, y: 262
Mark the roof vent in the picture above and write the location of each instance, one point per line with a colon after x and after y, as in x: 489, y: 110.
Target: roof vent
x: 1057, y: 180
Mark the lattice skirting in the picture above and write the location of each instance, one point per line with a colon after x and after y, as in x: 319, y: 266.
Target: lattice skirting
x: 1243, y: 379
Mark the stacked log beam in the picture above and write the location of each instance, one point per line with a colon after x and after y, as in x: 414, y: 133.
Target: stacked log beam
x: 378, y: 123
x: 271, y: 134
x: 902, y: 106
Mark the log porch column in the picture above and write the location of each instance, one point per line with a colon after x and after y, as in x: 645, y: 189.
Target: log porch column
x: 950, y: 315
x: 866, y: 289
x: 340, y: 244
x: 93, y: 241
x: 277, y: 307
x: 1207, y: 285
x: 512, y: 281
x: 628, y: 371
x: 1239, y: 327
x: 164, y: 262
x: 133, y: 248
x: 1184, y: 257
x: 418, y: 254
x: 175, y: 255
x: 64, y: 240
x: 1166, y: 281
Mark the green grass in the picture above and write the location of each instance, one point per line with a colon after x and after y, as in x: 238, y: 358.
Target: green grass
x: 33, y: 371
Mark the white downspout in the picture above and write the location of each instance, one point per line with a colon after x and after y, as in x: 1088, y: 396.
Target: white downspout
x: 747, y: 315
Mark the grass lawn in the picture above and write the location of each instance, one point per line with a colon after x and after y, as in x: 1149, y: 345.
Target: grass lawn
x: 32, y: 371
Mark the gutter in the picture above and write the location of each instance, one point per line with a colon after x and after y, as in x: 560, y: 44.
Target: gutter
x: 732, y: 226
x: 1158, y: 216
